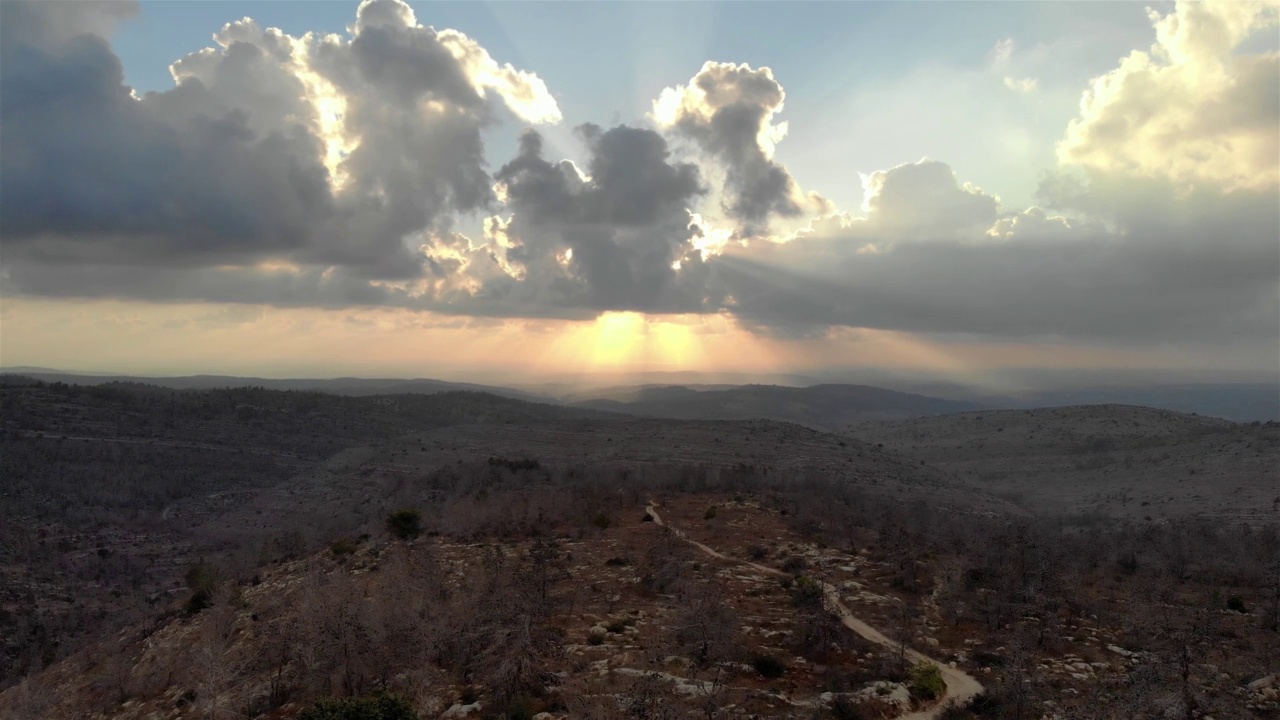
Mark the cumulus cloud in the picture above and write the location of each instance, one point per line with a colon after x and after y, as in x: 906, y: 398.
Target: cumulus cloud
x: 1194, y: 110
x: 318, y: 151
x: 331, y: 171
x: 1159, y: 276
x: 925, y: 199
x: 618, y: 236
x: 728, y: 110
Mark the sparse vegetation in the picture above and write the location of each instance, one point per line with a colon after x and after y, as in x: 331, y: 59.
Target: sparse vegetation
x: 379, y: 707
x: 806, y: 592
x: 795, y: 565
x: 202, y: 580
x: 768, y: 666
x: 405, y: 524
x: 342, y: 546
x: 514, y: 567
x: 926, y: 682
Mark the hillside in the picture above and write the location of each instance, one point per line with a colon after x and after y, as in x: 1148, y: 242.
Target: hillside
x: 108, y: 490
x: 829, y: 407
x: 335, y: 386
x: 111, y: 490
x: 1111, y: 459
x: 547, y: 592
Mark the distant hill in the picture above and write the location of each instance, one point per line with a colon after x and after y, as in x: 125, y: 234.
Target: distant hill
x: 1243, y: 402
x: 819, y: 406
x: 1110, y: 459
x: 356, y: 387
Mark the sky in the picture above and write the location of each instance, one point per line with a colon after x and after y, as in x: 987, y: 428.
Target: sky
x: 489, y: 191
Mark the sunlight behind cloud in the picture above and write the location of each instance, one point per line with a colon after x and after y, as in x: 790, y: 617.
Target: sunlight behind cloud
x: 626, y: 341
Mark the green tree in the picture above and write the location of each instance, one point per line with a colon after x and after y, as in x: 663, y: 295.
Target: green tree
x: 405, y: 524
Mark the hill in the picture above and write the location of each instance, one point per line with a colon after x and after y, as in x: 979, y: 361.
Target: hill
x: 1110, y: 459
x: 336, y: 386
x: 828, y: 407
x: 110, y: 490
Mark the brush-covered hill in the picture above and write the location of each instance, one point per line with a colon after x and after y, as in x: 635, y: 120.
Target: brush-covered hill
x: 829, y: 407
x: 111, y: 491
x: 107, y: 491
x: 1112, y: 459
x: 335, y: 386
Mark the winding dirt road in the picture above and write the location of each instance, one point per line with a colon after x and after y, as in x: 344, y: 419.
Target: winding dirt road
x: 960, y: 685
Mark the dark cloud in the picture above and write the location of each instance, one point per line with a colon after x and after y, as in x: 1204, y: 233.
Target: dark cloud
x: 1198, y: 267
x: 727, y: 110
x: 236, y: 165
x: 609, y: 239
x: 330, y: 171
x: 91, y: 174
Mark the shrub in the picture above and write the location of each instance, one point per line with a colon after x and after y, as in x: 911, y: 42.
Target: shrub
x: 768, y: 666
x: 595, y: 638
x: 844, y: 709
x: 806, y: 592
x: 617, y: 626
x: 618, y: 561
x: 199, y: 600
x: 377, y: 707
x: 985, y: 705
x: 926, y: 682
x: 1235, y: 602
x: 203, y: 580
x: 757, y: 552
x: 342, y: 546
x: 988, y: 658
x: 953, y: 711
x: 794, y: 565
x: 469, y: 695
x: 521, y: 708
x: 405, y: 524
x: 602, y: 521
x: 710, y: 514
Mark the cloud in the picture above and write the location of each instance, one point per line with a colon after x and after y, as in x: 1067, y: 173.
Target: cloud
x: 1195, y: 110
x: 925, y: 198
x: 334, y: 171
x: 1022, y: 85
x: 609, y: 239
x: 964, y: 265
x: 728, y: 111
x: 319, y: 151
x: 1001, y: 61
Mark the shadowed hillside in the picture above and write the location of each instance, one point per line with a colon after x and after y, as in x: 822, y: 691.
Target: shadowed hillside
x: 828, y: 407
x: 1111, y: 459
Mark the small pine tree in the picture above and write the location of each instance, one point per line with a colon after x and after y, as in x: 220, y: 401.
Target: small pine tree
x: 927, y: 682
x: 405, y: 524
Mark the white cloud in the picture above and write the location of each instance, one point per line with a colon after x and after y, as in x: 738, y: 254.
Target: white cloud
x: 729, y: 111
x: 1192, y: 110
x: 1022, y: 85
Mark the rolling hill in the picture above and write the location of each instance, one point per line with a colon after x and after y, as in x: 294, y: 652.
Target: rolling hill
x: 827, y: 407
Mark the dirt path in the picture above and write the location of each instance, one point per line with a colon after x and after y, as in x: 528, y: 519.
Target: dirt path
x: 960, y: 685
